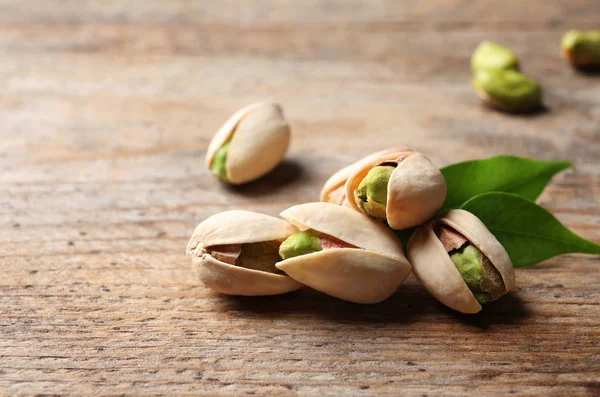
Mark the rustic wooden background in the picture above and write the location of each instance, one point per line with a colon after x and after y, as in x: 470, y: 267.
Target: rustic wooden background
x: 107, y: 108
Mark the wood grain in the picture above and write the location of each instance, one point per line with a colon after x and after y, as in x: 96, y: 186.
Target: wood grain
x: 107, y: 108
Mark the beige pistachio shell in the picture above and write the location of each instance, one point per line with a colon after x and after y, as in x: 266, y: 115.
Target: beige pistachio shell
x: 416, y: 189
x: 259, y: 137
x: 367, y: 275
x: 336, y: 183
x: 347, y: 225
x: 436, y: 271
x: 226, y: 130
x: 354, y: 275
x: 234, y: 280
x: 238, y: 227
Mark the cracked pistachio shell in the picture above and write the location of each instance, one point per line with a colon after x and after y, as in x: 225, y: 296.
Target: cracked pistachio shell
x: 582, y: 49
x: 238, y: 227
x: 369, y: 273
x: 334, y: 190
x: 436, y: 271
x: 508, y: 90
x: 416, y: 188
x: 258, y: 137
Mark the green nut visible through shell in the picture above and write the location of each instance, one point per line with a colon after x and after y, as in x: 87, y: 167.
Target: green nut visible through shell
x: 373, y: 190
x: 250, y: 144
x: 460, y: 262
x: 478, y: 272
x: 482, y: 278
x: 309, y: 241
x: 508, y: 90
x: 489, y: 55
x: 235, y: 253
x: 301, y: 243
x: 218, y: 166
x: 582, y: 48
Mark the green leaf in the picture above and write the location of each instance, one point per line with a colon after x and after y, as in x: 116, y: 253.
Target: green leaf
x: 529, y: 233
x: 521, y: 176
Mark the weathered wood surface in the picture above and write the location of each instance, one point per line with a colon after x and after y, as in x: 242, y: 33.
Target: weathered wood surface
x: 107, y: 108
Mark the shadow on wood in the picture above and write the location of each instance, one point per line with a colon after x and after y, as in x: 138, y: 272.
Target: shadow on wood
x: 589, y: 70
x: 529, y: 113
x: 287, y: 172
x: 407, y: 305
x: 509, y: 309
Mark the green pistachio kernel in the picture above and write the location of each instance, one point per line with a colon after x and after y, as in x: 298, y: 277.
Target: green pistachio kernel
x: 583, y: 48
x: 372, y: 191
x: 300, y: 243
x: 482, y: 278
x: 218, y: 165
x: 489, y: 55
x: 509, y: 89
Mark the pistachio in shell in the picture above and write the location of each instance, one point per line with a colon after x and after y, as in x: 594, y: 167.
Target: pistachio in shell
x: 234, y: 253
x: 508, y: 90
x: 582, y: 49
x: 342, y: 253
x: 460, y: 262
x: 250, y: 144
x: 401, y: 188
x: 490, y: 55
x: 334, y: 190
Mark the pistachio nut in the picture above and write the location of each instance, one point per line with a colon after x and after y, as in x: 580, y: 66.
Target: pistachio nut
x: 489, y: 55
x: 402, y: 188
x: 334, y: 190
x: 235, y: 252
x: 507, y: 90
x: 460, y: 262
x: 250, y: 144
x: 582, y: 49
x: 342, y: 253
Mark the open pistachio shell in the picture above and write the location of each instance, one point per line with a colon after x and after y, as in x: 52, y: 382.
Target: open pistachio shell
x: 369, y: 271
x: 436, y: 271
x: 334, y: 190
x: 258, y: 138
x: 416, y: 189
x: 232, y: 228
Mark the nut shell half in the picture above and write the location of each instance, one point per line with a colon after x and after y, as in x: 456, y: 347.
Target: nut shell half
x: 259, y: 136
x: 238, y: 227
x: 436, y: 271
x: 370, y: 273
x: 416, y: 188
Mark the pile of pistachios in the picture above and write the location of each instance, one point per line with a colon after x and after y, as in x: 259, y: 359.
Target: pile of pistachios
x: 350, y: 244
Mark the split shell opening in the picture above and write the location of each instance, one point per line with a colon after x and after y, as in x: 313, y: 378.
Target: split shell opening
x: 234, y: 253
x: 439, y: 274
x: 416, y: 189
x: 334, y: 189
x: 360, y: 259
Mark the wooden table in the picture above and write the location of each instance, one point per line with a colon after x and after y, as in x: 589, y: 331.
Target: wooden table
x: 107, y: 108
